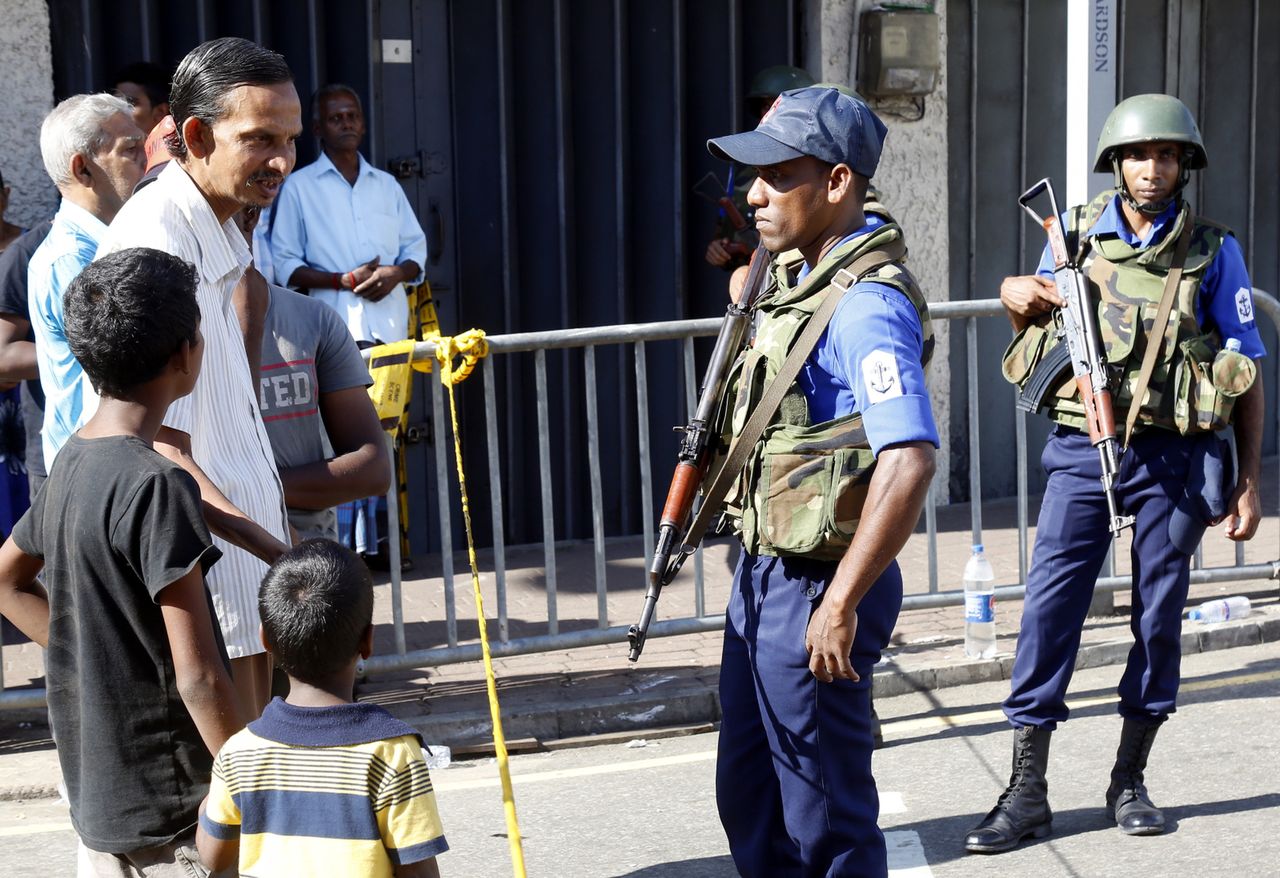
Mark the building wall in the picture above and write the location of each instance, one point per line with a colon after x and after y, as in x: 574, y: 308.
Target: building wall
x: 912, y: 176
x: 26, y: 70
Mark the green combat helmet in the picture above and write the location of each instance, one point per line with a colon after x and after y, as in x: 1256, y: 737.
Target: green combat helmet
x: 843, y: 89
x: 1146, y: 119
x: 773, y: 81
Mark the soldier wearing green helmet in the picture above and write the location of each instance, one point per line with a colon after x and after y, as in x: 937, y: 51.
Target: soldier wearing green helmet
x: 1146, y: 119
x: 1145, y: 254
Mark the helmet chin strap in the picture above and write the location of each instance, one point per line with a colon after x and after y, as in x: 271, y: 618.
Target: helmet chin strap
x: 1159, y: 207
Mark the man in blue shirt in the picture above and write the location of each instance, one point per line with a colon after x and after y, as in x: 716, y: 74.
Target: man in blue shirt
x: 1143, y: 247
x: 93, y: 152
x: 815, y: 599
x: 345, y: 230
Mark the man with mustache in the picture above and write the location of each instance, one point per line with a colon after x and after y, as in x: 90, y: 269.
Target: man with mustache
x: 1174, y: 305
x: 344, y: 231
x: 237, y: 117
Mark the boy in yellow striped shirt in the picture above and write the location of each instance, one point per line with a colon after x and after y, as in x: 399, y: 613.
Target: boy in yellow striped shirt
x: 321, y: 785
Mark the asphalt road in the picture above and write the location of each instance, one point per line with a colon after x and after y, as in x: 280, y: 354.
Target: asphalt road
x: 618, y: 811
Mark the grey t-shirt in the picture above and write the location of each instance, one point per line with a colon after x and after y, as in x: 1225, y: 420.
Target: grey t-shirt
x: 306, y: 351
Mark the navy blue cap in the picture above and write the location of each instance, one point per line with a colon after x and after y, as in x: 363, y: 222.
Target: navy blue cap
x: 820, y: 122
x: 1211, y: 479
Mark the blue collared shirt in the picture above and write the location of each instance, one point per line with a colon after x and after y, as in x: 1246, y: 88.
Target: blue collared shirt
x: 323, y: 222
x: 1225, y: 301
x: 868, y: 361
x: 69, y: 398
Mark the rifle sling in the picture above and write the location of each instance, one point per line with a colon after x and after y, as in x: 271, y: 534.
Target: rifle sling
x: 1158, y: 329
x: 764, y: 411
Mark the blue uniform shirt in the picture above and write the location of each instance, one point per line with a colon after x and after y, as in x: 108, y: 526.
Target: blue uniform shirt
x: 868, y: 360
x: 1225, y: 302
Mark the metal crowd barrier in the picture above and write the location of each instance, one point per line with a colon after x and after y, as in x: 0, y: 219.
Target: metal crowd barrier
x: 637, y: 336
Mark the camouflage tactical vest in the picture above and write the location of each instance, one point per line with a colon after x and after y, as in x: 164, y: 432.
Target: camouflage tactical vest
x: 1195, y: 382
x: 802, y: 489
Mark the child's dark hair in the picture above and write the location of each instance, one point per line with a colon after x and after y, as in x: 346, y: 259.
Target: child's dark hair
x: 315, y: 603
x: 127, y: 313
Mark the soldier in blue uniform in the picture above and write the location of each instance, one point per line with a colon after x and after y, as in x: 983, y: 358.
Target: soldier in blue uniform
x: 1204, y: 378
x: 849, y: 458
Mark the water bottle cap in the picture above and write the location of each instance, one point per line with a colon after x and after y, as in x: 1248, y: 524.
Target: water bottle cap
x: 1233, y: 344
x: 977, y: 548
x: 1194, y: 615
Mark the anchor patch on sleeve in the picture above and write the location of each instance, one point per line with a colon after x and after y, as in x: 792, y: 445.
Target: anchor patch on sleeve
x: 880, y: 375
x: 1244, y: 305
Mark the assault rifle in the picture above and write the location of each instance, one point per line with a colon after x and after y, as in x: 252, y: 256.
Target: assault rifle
x: 1080, y: 346
x: 695, y: 453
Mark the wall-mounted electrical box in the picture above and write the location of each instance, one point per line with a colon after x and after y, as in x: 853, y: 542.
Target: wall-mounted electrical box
x: 899, y: 53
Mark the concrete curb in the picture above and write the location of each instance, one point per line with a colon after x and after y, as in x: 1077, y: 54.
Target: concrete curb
x: 686, y: 703
x: 699, y: 702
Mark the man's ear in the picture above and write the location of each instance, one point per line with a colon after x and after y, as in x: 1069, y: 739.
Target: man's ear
x: 840, y: 183
x: 262, y: 636
x: 366, y: 642
x: 80, y: 171
x: 198, y: 137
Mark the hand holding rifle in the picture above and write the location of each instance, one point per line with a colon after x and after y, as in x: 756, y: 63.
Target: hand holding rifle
x: 1076, y: 318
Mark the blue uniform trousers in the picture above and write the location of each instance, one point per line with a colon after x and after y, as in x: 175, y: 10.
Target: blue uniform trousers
x: 793, y: 775
x: 1071, y: 545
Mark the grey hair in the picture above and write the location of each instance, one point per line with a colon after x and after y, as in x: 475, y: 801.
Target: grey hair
x: 75, y: 126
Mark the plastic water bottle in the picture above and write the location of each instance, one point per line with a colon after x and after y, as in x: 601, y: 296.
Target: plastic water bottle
x: 979, y: 606
x: 1221, y: 610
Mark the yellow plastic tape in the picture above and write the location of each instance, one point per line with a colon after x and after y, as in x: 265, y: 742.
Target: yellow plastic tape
x: 391, y: 367
x: 471, y: 347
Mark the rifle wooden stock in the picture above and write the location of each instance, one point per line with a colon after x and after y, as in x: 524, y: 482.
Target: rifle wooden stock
x: 684, y: 487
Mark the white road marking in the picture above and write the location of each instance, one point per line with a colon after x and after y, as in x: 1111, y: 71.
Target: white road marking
x: 891, y: 803
x: 906, y: 855
x: 35, y: 828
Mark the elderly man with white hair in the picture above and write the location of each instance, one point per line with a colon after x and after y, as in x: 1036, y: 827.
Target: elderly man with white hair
x: 93, y: 151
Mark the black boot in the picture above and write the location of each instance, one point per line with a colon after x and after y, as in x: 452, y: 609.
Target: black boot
x: 1023, y: 808
x: 1127, y: 800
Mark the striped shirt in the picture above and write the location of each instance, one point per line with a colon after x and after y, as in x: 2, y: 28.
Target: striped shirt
x: 324, y: 791
x: 228, y: 439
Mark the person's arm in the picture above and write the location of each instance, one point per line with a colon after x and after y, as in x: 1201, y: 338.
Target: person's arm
x: 251, y: 299
x: 22, y: 599
x: 223, y: 517
x: 215, y: 852
x: 895, y: 497
x: 1244, y: 511
x: 421, y: 869
x: 17, y: 353
x: 201, y: 679
x: 1026, y: 297
x: 361, y: 466
x: 383, y: 279
x: 308, y: 278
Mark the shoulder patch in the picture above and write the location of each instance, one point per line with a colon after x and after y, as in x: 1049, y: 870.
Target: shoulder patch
x: 881, y: 377
x: 1244, y: 304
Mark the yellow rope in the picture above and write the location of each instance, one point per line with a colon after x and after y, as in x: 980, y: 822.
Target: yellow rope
x: 471, y: 346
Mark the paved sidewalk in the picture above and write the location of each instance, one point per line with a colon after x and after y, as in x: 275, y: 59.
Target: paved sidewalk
x: 562, y: 696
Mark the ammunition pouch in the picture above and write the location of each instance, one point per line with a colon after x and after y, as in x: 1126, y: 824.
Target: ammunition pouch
x: 810, y: 484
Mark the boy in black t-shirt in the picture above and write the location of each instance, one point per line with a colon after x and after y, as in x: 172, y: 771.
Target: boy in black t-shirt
x: 138, y: 687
